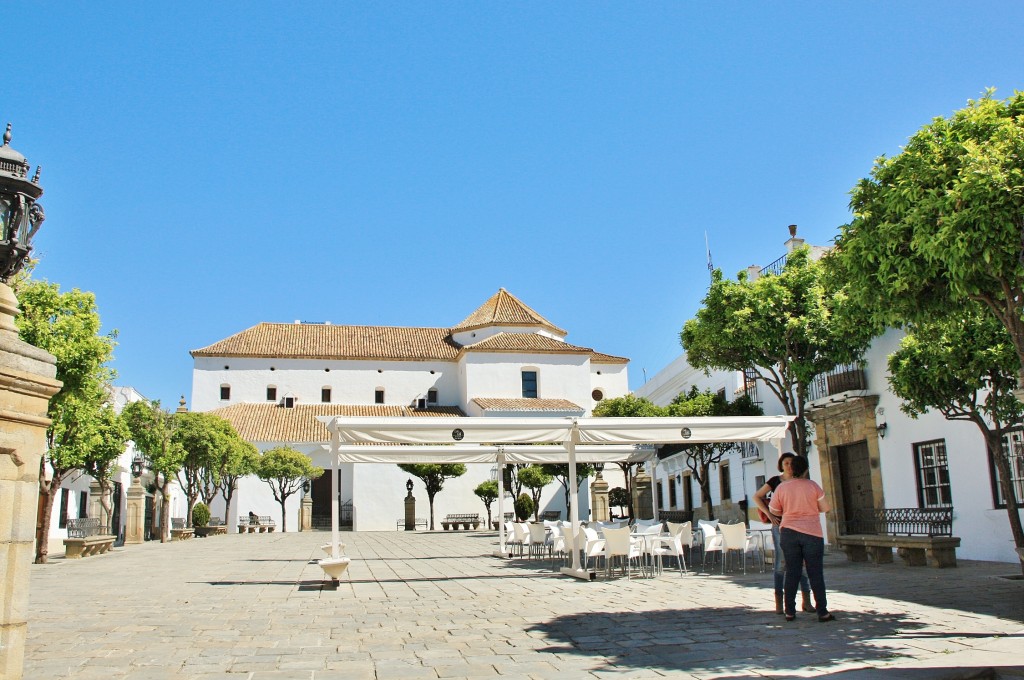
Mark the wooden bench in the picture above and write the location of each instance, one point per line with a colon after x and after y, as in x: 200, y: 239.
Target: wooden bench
x: 84, y: 539
x: 550, y: 515
x: 467, y: 521
x: 179, y: 532
x: 421, y: 523
x: 921, y: 536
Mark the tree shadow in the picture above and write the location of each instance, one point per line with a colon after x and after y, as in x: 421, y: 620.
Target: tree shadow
x: 722, y: 641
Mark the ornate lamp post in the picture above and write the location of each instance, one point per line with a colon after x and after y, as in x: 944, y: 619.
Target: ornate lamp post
x: 27, y: 375
x: 410, y: 507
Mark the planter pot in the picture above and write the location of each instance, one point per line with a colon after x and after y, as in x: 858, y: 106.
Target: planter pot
x: 334, y: 566
x: 203, y: 532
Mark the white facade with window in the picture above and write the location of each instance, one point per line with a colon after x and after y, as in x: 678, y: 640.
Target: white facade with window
x: 923, y: 462
x: 477, y: 368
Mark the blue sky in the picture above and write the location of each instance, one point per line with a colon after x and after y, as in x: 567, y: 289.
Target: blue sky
x: 208, y: 166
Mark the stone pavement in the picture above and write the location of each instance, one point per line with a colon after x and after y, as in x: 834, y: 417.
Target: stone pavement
x: 436, y: 605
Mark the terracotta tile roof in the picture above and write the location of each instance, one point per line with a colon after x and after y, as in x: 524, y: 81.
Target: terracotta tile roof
x: 273, y: 423
x: 322, y: 341
x: 532, y: 343
x: 505, y: 309
x: 526, y: 405
x: 601, y: 358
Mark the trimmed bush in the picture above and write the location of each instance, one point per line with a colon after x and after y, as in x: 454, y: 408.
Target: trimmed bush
x: 523, y: 507
x: 200, y: 515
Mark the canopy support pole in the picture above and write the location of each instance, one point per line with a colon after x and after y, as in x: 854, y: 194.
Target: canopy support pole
x: 654, y: 488
x: 503, y: 551
x: 335, y: 512
x: 575, y: 569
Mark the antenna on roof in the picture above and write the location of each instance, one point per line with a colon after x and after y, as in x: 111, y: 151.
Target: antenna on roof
x: 707, y: 247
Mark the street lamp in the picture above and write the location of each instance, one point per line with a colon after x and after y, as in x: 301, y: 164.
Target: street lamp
x: 20, y: 215
x: 408, y: 486
x: 305, y: 488
x: 137, y: 465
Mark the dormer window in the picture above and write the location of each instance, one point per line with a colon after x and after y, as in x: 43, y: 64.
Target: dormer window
x: 289, y: 401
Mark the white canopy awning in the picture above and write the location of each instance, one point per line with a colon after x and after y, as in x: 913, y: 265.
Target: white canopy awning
x: 565, y: 439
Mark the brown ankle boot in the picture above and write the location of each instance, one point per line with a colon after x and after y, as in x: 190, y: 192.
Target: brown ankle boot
x: 805, y: 605
x: 778, y: 604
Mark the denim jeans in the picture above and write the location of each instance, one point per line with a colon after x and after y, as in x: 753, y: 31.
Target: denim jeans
x: 779, y: 564
x: 804, y: 550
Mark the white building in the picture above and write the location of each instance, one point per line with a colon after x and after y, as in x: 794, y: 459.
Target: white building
x: 272, y: 380
x: 78, y: 495
x: 866, y: 452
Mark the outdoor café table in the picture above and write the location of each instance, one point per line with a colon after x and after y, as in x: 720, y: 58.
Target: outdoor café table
x: 651, y: 562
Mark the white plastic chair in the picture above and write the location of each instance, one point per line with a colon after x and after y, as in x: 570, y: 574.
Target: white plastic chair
x: 510, y: 536
x: 712, y: 542
x: 538, y: 539
x: 734, y: 538
x: 619, y: 543
x: 680, y: 537
x: 521, y: 536
x: 592, y: 544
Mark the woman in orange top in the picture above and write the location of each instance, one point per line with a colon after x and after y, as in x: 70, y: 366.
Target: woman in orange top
x: 800, y: 502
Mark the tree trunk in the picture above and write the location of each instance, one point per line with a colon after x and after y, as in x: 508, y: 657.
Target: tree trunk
x: 165, y: 515
x: 705, y: 491
x: 284, y: 527
x: 46, y: 491
x: 995, y: 445
x: 430, y: 498
x: 227, y: 493
x: 105, y: 503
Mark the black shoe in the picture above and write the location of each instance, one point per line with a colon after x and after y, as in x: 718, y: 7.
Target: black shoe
x: 790, y: 617
x: 826, y: 618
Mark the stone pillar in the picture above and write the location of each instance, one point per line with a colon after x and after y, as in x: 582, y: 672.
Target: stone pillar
x: 306, y: 514
x: 26, y: 384
x: 135, y: 517
x: 600, y: 511
x: 96, y: 507
x: 642, y: 508
x: 410, y: 512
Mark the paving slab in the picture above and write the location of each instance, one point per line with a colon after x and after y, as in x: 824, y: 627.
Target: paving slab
x: 439, y: 605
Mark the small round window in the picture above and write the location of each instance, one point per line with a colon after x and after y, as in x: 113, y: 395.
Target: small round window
x: 597, y: 395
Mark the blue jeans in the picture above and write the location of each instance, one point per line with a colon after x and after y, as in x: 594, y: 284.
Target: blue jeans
x: 779, y: 564
x: 803, y: 550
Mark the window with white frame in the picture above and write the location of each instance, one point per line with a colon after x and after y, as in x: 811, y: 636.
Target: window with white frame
x: 933, y: 489
x: 725, y: 481
x: 1013, y: 445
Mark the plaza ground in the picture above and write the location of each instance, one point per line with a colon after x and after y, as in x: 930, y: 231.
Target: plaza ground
x: 437, y: 605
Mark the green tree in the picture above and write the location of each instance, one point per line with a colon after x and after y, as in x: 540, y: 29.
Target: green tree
x: 560, y: 471
x: 108, y: 434
x: 964, y: 367
x: 67, y: 325
x: 942, y: 222
x: 628, y: 406
x: 535, y: 478
x: 206, y: 440
x: 620, y: 498
x: 700, y: 457
x: 238, y: 459
x: 152, y: 430
x: 433, y: 476
x: 784, y: 327
x: 488, y: 493
x: 285, y: 470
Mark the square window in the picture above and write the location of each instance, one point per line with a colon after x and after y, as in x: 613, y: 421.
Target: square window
x: 325, y: 395
x: 431, y: 396
x: 378, y: 397
x: 225, y: 392
x: 271, y: 394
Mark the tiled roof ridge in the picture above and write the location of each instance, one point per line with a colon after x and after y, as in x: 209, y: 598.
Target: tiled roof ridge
x: 501, y: 309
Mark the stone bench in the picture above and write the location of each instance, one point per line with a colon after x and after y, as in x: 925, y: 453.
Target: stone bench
x: 454, y: 521
x: 915, y: 551
x: 180, y: 532
x: 84, y: 539
x: 263, y: 524
x: 421, y: 523
x: 75, y: 548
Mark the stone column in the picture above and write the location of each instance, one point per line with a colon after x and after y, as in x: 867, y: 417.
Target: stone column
x: 135, y: 518
x: 306, y: 514
x: 96, y: 507
x: 26, y: 384
x: 410, y: 512
x: 642, y: 496
x: 600, y: 511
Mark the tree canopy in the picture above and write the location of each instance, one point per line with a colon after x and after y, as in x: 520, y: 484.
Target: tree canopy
x: 942, y: 221
x: 628, y: 406
x: 151, y: 429
x: 784, y: 327
x: 535, y: 478
x: 285, y: 469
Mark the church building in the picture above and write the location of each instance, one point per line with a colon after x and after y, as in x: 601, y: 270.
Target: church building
x: 272, y: 380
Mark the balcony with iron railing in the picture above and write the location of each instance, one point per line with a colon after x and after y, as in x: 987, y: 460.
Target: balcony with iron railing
x: 842, y: 378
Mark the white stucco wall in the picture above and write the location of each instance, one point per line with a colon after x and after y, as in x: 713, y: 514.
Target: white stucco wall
x: 499, y: 375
